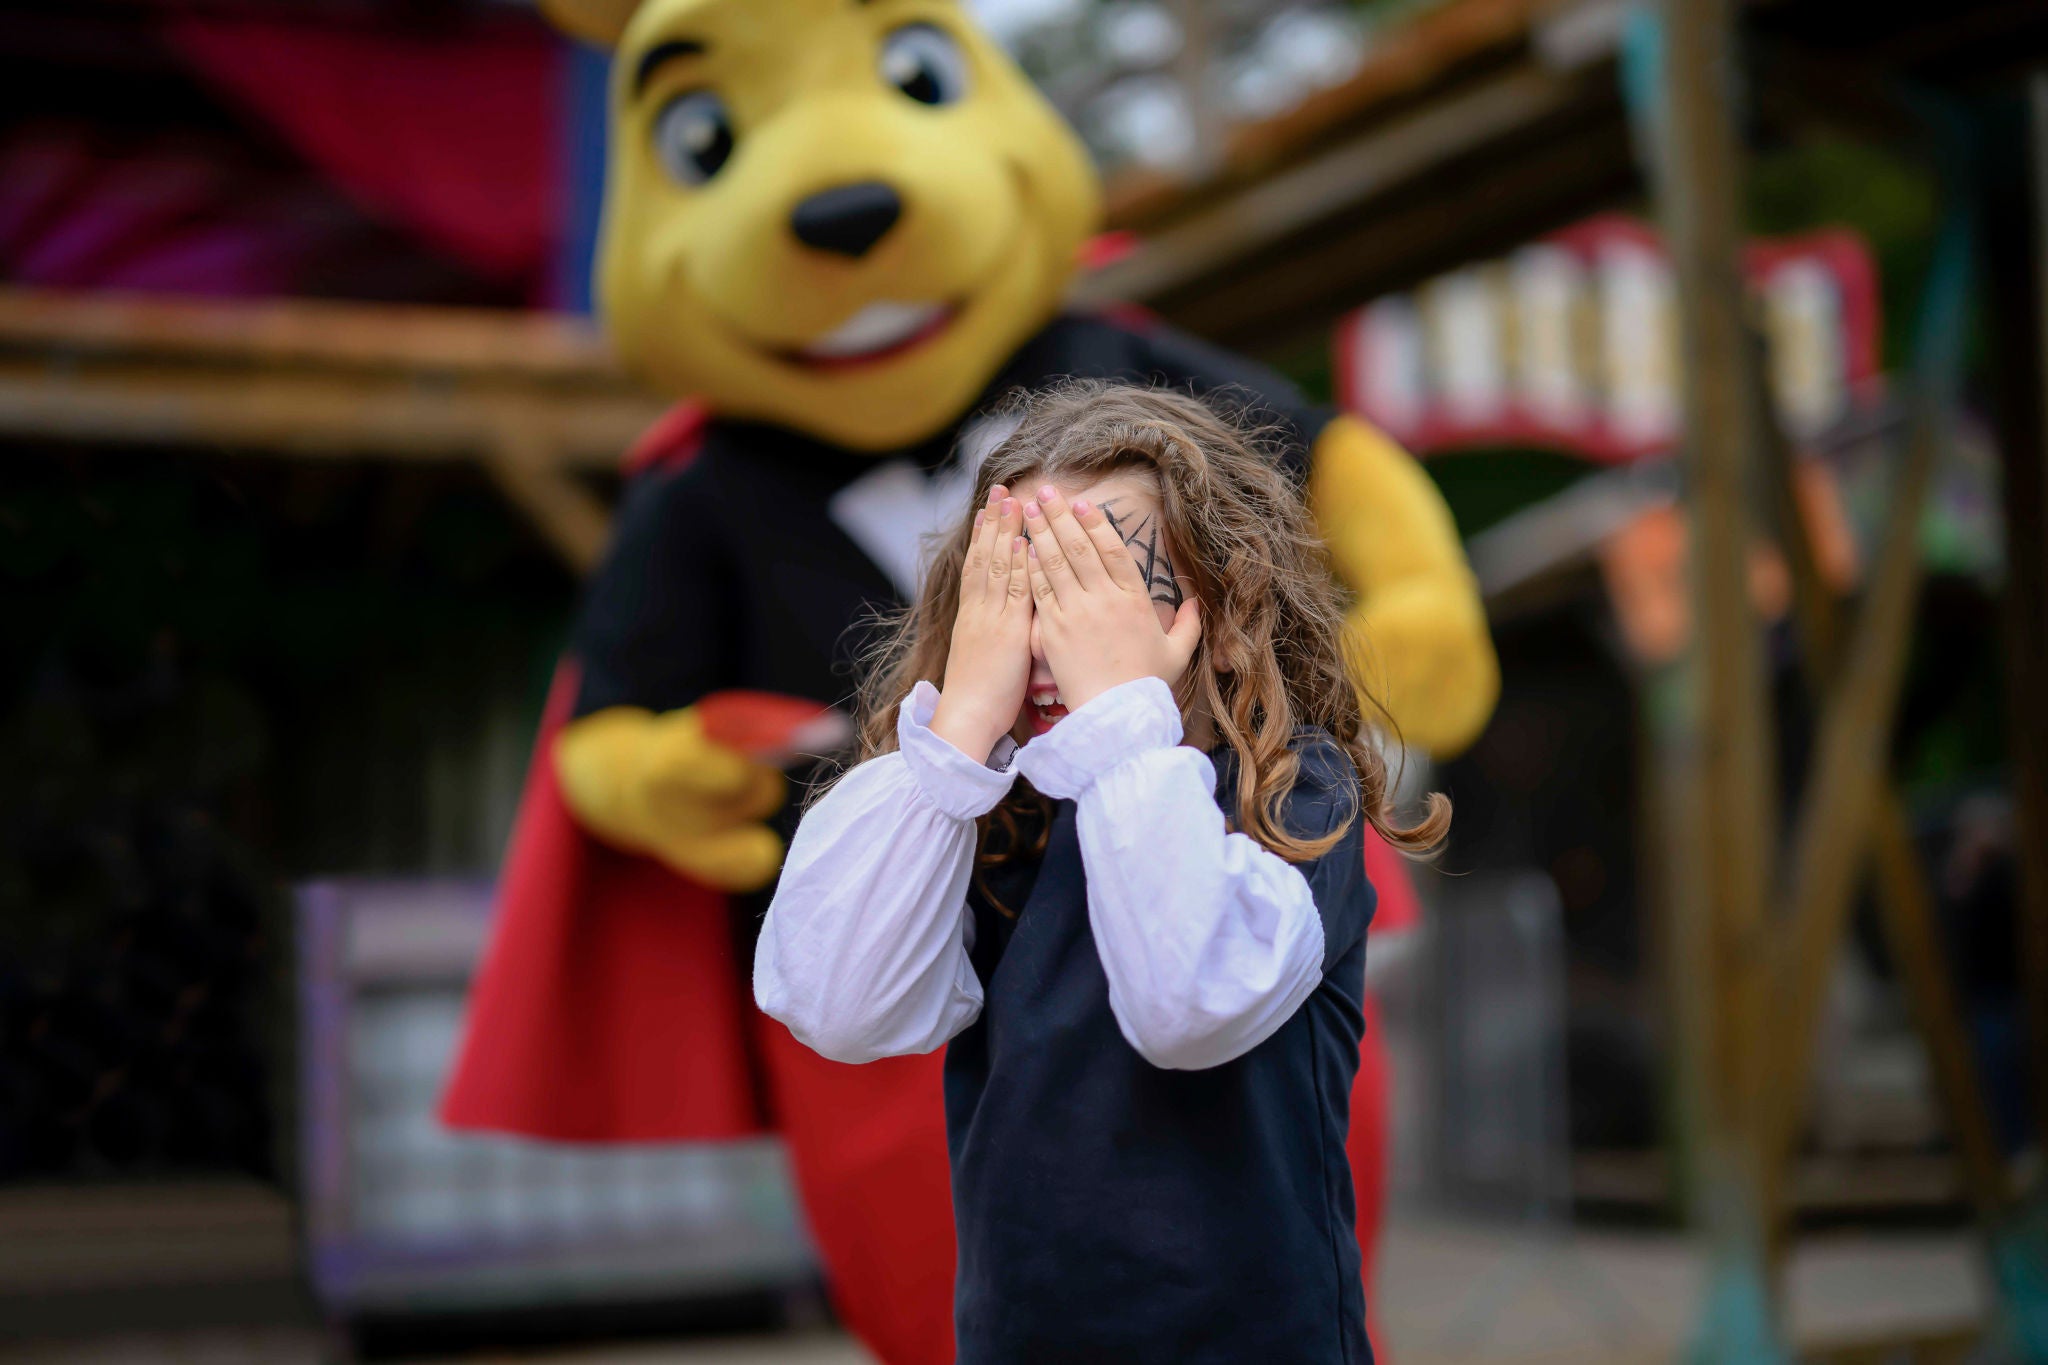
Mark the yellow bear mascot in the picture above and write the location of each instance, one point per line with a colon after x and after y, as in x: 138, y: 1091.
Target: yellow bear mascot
x: 843, y: 227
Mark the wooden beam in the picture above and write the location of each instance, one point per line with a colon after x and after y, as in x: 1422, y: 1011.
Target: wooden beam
x: 305, y: 332
x: 1336, y: 181
x: 307, y: 413
x: 532, y: 398
x: 1724, y: 824
x: 1413, y: 56
x: 1905, y: 901
x: 1456, y: 214
x: 1847, y: 777
x: 572, y: 518
x: 2016, y: 233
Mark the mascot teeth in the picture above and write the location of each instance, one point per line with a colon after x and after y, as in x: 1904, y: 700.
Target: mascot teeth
x: 876, y: 328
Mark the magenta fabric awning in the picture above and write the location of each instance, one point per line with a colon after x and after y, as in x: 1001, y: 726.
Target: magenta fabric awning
x: 453, y: 135
x: 357, y: 138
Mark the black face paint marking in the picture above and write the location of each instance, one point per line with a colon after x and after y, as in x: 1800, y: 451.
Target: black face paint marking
x: 1144, y: 541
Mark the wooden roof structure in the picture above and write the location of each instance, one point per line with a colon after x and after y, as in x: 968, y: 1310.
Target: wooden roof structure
x: 1467, y: 131
x: 533, y: 398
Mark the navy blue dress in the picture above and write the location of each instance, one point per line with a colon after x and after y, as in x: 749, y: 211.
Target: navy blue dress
x: 1113, y: 1212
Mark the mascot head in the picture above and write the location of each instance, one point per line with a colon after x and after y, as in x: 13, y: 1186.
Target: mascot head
x: 841, y: 216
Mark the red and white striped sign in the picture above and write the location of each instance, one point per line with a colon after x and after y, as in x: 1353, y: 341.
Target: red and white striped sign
x: 1571, y: 342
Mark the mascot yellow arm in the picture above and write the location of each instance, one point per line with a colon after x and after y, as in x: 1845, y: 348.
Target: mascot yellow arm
x: 655, y: 784
x: 1430, y: 658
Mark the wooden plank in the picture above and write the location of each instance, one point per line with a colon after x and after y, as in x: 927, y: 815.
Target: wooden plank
x: 1724, y: 827
x: 1334, y: 181
x: 305, y: 332
x: 1954, y: 1345
x: 2019, y: 228
x: 576, y: 523
x: 1903, y: 890
x: 1847, y: 776
x: 309, y: 413
x: 1407, y: 59
x: 65, y: 1238
x: 1469, y: 210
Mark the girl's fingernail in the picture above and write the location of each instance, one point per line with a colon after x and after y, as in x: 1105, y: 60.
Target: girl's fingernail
x: 1032, y: 549
x: 1009, y: 507
x: 1031, y: 510
x: 1080, y: 508
x: 1047, y: 493
x: 1016, y: 544
x: 979, y: 518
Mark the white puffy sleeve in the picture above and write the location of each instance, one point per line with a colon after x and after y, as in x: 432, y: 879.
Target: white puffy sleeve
x: 1209, y: 941
x: 863, y: 953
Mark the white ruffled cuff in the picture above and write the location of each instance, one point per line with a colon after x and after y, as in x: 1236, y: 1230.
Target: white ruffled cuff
x: 1130, y: 719
x: 952, y: 781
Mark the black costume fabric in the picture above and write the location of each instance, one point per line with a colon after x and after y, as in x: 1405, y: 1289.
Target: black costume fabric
x: 738, y: 554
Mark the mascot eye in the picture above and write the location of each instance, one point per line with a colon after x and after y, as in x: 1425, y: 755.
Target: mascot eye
x: 693, y: 136
x: 925, y: 63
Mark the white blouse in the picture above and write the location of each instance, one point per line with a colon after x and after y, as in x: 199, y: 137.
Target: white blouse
x: 1209, y: 941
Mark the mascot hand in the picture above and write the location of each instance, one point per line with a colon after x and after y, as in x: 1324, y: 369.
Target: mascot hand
x: 1430, y: 657
x: 655, y: 784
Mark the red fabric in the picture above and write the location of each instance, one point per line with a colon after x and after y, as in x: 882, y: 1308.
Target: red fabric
x: 452, y: 134
x: 1398, y: 909
x: 672, y: 440
x: 1371, y: 1117
x: 868, y: 1148
x: 609, y: 1007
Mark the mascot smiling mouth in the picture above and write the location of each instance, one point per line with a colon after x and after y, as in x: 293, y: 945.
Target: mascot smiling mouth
x: 838, y: 216
x: 880, y: 331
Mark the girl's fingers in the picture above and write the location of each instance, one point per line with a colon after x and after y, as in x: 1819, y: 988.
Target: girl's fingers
x: 974, y: 569
x: 1042, y: 592
x: 1075, y: 546
x: 1018, y: 581
x: 1048, y: 560
x: 974, y: 574
x: 1002, y: 560
x: 1009, y: 521
x: 1116, y: 556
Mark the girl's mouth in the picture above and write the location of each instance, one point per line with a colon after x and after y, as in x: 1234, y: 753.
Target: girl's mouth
x: 1046, y: 711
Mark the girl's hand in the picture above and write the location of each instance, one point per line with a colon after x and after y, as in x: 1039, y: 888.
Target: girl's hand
x: 1096, y: 619
x: 990, y: 660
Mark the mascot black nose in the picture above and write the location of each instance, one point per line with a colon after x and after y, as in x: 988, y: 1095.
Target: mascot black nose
x: 847, y: 219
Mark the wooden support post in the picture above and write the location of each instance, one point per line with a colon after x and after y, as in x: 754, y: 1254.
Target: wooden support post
x: 1723, y: 830
x: 1903, y: 896
x: 2016, y: 230
x: 573, y: 520
x: 1842, y: 789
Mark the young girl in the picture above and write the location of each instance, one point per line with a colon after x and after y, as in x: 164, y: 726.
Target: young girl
x: 1147, y: 956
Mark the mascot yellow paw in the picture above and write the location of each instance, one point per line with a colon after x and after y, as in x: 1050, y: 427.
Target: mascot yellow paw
x: 657, y: 784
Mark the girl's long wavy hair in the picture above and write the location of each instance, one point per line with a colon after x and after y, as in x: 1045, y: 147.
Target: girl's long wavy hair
x: 1240, y: 530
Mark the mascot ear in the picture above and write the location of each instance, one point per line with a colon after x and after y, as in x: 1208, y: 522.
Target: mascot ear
x: 594, y: 21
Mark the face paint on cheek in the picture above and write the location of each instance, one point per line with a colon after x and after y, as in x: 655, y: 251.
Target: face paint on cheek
x: 1147, y: 546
